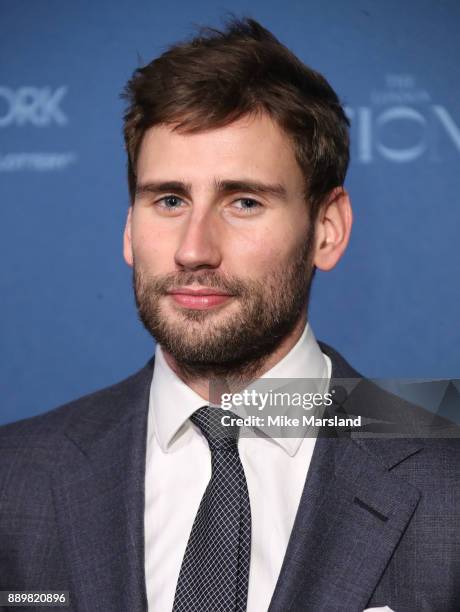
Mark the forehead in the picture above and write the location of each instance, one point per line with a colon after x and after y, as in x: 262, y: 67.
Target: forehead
x: 252, y: 146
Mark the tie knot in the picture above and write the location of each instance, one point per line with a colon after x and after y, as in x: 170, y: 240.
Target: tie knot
x: 219, y: 437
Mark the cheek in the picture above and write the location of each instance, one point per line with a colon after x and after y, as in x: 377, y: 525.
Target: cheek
x: 255, y: 254
x: 152, y: 246
x: 291, y: 240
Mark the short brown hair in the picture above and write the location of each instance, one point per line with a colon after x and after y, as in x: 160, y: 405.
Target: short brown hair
x: 220, y: 76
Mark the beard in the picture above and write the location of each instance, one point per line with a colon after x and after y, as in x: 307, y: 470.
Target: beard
x: 212, y: 343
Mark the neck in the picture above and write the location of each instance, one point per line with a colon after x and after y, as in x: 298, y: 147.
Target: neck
x: 201, y: 384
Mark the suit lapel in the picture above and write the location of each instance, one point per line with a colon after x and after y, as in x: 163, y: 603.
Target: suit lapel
x: 99, y: 498
x: 351, y: 516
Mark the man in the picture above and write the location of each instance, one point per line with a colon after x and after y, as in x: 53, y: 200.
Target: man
x: 135, y: 497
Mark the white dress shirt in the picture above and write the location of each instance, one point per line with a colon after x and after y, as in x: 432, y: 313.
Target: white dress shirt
x: 178, y: 469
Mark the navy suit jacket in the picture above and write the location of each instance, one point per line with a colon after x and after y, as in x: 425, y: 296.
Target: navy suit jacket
x: 378, y: 521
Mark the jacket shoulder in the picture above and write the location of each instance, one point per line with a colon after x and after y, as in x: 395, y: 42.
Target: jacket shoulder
x: 392, y: 420
x: 105, y: 403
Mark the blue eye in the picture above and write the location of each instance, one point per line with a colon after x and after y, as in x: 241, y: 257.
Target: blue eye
x: 249, y: 205
x: 172, y: 202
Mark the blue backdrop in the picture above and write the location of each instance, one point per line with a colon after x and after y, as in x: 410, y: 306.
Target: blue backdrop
x: 68, y: 320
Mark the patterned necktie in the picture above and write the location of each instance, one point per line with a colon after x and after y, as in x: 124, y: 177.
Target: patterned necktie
x: 215, y: 569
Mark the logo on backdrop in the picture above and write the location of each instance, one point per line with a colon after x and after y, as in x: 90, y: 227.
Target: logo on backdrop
x: 38, y: 106
x: 402, y: 123
x: 34, y: 107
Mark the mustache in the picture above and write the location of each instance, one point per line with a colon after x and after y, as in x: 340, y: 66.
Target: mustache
x: 205, y: 278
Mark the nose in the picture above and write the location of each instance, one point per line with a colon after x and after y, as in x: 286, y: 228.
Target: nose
x: 199, y: 243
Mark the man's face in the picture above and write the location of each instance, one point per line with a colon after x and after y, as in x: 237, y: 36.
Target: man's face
x: 220, y: 241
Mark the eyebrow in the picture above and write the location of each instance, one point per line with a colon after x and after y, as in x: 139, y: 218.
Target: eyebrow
x: 221, y: 187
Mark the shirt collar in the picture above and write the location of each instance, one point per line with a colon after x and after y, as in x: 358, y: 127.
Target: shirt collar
x: 305, y: 361
x: 172, y: 402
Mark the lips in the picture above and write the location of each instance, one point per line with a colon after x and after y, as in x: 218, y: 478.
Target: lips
x: 200, y: 298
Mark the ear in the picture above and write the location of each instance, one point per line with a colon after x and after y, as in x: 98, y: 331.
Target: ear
x: 127, y: 243
x: 333, y: 228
